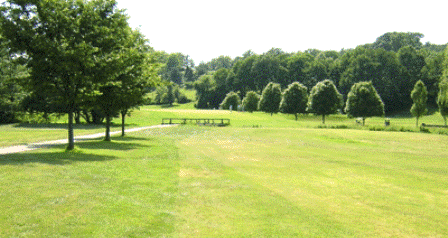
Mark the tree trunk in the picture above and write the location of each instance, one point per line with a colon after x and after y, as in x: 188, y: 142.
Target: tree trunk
x: 107, y: 129
x: 296, y: 116
x: 363, y: 121
x: 123, y: 115
x: 444, y: 118
x: 71, y: 138
x: 416, y: 122
x: 323, y: 118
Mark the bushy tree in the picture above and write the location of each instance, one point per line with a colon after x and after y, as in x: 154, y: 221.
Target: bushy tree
x: 250, y: 101
x: 205, y: 87
x: 324, y: 99
x: 442, y: 99
x: 363, y: 101
x: 419, y: 96
x: 270, y: 98
x: 70, y: 45
x: 109, y: 106
x: 294, y: 99
x: 170, y: 95
x: 231, y: 99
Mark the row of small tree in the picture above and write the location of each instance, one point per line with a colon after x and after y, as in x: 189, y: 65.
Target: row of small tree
x: 324, y: 99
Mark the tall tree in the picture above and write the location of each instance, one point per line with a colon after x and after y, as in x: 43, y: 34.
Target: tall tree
x: 419, y: 96
x: 364, y: 101
x: 231, y: 100
x: 250, y: 101
x: 294, y: 99
x: 12, y: 76
x: 69, y: 45
x: 109, y: 105
x: 442, y: 99
x: 270, y: 98
x: 394, y: 41
x: 324, y: 99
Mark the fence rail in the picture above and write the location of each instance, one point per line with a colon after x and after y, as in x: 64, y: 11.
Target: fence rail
x: 199, y: 121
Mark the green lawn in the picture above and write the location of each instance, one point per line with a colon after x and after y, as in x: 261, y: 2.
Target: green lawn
x: 261, y: 177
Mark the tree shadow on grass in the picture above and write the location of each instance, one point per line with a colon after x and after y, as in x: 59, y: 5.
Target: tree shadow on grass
x: 169, y: 106
x: 52, y: 158
x: 117, y: 143
x: 64, y: 126
x: 63, y: 157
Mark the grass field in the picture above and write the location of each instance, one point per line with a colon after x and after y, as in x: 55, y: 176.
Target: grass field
x: 261, y: 177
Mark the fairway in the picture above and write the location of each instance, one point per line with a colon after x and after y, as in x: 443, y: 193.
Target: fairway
x: 193, y: 181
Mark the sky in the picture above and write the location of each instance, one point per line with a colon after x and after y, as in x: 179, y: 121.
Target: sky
x: 206, y: 29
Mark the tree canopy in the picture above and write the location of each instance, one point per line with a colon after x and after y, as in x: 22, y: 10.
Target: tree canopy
x: 294, y: 99
x: 419, y: 96
x: 363, y: 101
x: 270, y: 98
x: 324, y: 99
x: 70, y: 46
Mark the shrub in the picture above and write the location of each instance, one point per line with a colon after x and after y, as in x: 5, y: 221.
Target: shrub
x: 231, y: 99
x: 250, y: 102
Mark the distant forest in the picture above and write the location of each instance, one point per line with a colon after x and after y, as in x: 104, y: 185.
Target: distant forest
x: 393, y: 63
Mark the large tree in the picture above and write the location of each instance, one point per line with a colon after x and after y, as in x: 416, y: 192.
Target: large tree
x: 394, y: 41
x: 69, y: 45
x: 12, y: 73
x: 364, y: 101
x: 231, y: 100
x: 270, y: 98
x: 442, y: 99
x: 137, y: 72
x: 250, y: 101
x: 419, y: 96
x: 294, y: 99
x: 324, y: 99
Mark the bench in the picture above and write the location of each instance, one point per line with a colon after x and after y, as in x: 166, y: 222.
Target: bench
x: 198, y: 121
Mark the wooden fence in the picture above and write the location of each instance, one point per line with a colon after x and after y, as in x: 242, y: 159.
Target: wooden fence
x: 199, y: 121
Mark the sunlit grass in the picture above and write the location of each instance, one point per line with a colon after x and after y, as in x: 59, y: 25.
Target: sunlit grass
x: 262, y: 176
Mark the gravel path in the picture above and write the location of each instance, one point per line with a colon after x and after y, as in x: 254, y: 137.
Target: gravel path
x: 34, y: 146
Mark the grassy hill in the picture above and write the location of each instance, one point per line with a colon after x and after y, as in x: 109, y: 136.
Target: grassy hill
x: 262, y: 176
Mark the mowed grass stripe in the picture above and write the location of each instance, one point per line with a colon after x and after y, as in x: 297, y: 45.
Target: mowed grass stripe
x: 355, y: 190
x: 239, y: 181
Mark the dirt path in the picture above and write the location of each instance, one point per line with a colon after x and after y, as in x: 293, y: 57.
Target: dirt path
x: 38, y: 145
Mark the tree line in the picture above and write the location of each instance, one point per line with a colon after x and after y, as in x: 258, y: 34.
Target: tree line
x: 393, y: 63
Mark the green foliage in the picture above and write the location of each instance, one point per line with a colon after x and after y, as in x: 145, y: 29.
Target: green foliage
x: 412, y: 62
x: 294, y: 99
x: 270, y: 98
x: 231, y: 99
x: 394, y: 41
x: 442, y: 99
x: 72, y: 46
x: 250, y: 101
x: 419, y: 96
x: 205, y: 87
x: 324, y: 99
x: 12, y: 77
x: 170, y: 95
x: 363, y: 101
